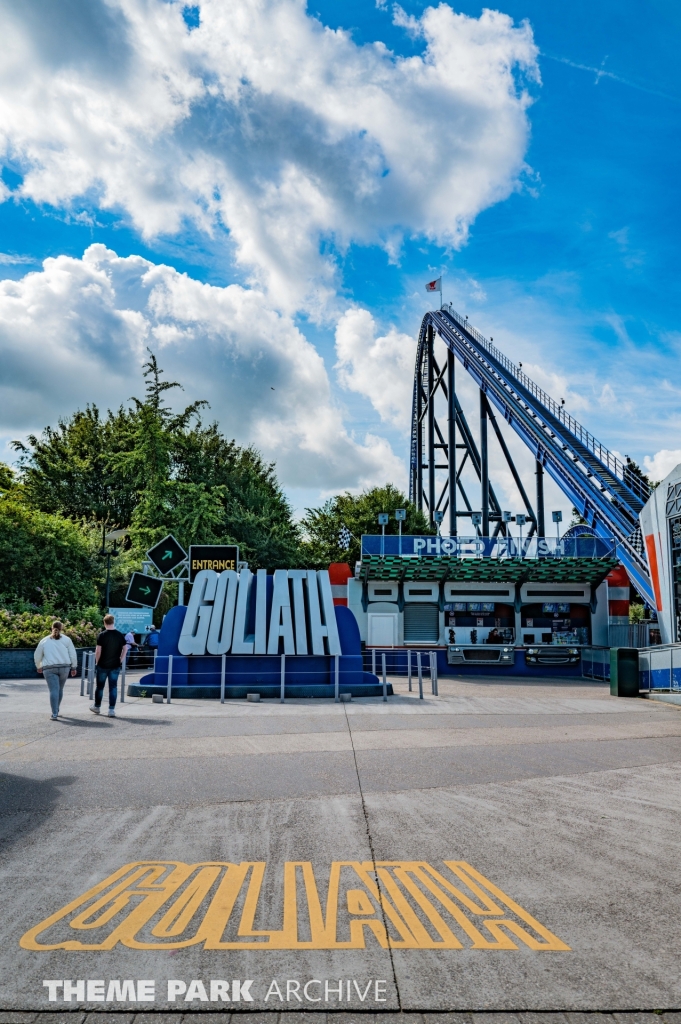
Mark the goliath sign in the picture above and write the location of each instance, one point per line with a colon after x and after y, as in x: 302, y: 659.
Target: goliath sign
x: 301, y: 617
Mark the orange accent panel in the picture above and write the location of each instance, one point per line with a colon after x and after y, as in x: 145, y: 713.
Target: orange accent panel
x: 618, y: 577
x: 652, y: 562
x: 339, y: 573
x: 619, y: 607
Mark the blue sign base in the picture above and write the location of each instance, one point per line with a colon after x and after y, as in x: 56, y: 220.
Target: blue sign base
x: 305, y: 676
x: 239, y: 692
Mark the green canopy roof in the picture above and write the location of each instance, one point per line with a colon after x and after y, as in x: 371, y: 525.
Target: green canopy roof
x: 487, y: 570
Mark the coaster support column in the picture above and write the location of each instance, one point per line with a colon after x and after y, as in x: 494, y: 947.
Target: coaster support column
x: 431, y: 428
x: 451, y: 441
x: 484, y: 465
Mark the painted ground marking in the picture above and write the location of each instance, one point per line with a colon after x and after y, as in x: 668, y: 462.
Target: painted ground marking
x: 215, y: 904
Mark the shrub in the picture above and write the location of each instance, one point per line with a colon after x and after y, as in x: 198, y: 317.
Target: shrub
x: 44, y: 558
x: 26, y: 629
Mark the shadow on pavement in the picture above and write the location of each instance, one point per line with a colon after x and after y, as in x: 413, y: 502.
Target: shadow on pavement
x: 104, y: 722
x: 34, y: 800
x: 87, y: 723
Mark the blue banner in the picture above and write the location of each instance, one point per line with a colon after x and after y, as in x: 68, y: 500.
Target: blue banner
x: 488, y: 547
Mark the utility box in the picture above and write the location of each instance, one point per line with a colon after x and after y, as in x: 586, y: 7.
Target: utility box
x: 624, y: 671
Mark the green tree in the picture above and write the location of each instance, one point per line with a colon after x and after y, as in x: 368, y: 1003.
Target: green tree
x: 159, y: 472
x: 191, y: 511
x: 358, y: 514
x: 255, y: 512
x: 70, y: 469
x: 44, y: 559
x: 633, y: 472
x: 7, y: 478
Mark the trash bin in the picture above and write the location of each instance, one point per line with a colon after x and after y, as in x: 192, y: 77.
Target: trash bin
x: 624, y: 671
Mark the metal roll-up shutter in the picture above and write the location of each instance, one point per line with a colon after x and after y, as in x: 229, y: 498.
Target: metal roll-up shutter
x: 421, y: 623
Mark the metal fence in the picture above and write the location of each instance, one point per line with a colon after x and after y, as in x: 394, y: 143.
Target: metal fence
x: 596, y: 663
x: 636, y: 634
x: 659, y: 668
x: 291, y: 676
x: 87, y: 677
x: 414, y: 664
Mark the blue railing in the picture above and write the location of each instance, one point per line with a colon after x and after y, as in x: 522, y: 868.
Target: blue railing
x: 606, y: 457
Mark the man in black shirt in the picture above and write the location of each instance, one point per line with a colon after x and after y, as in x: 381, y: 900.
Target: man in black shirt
x: 109, y: 655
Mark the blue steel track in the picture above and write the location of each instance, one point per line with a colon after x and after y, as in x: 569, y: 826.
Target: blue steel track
x: 604, y: 491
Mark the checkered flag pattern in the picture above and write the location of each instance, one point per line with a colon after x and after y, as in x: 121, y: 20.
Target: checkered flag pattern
x: 344, y: 538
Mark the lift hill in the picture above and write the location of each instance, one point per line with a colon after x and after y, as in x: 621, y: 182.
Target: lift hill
x: 605, y: 491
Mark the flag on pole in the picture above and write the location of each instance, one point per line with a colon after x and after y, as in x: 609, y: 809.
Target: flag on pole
x: 344, y: 538
x: 435, y: 286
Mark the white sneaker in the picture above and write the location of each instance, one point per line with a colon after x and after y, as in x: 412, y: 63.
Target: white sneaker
x: 112, y: 712
x: 54, y: 717
x: 94, y: 709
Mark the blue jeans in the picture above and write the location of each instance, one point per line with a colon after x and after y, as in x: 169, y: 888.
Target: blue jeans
x: 55, y: 676
x: 104, y: 674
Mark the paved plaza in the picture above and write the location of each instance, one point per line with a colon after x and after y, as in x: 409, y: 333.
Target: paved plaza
x: 504, y: 847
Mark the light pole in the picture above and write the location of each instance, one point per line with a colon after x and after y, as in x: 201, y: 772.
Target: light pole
x: 383, y: 518
x: 521, y: 519
x: 109, y: 553
x: 400, y: 516
x: 476, y: 519
x: 557, y: 517
x: 438, y: 516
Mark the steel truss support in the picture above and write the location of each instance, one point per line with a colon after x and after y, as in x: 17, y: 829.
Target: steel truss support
x: 432, y: 452
x: 451, y: 440
x: 541, y: 527
x: 602, y: 489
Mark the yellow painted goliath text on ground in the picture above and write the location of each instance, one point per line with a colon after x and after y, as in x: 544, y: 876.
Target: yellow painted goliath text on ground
x: 217, y: 905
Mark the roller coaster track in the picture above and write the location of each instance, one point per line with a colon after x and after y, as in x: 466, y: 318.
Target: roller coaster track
x: 606, y: 493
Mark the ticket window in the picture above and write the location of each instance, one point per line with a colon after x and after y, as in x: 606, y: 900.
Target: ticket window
x: 474, y: 622
x: 556, y: 623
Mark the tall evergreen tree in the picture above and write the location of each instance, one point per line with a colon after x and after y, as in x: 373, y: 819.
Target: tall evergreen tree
x: 155, y: 471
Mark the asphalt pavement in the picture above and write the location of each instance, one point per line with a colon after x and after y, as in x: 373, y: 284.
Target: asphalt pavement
x: 506, y: 847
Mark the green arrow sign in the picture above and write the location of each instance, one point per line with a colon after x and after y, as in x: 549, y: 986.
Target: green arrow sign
x: 167, y: 555
x: 144, y: 590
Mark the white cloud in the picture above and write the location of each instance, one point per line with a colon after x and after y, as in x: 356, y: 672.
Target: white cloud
x: 380, y: 368
x: 8, y: 259
x: 264, y: 120
x: 661, y: 463
x: 78, y: 330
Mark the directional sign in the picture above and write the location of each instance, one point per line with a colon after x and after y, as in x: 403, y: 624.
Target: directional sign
x: 144, y: 590
x: 167, y: 555
x: 218, y: 557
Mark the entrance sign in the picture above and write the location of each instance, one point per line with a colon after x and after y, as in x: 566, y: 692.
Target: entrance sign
x: 167, y: 555
x: 218, y: 557
x: 165, y: 904
x: 144, y: 590
x: 301, y: 616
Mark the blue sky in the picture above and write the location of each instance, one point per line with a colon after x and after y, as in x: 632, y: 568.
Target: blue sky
x: 569, y: 259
